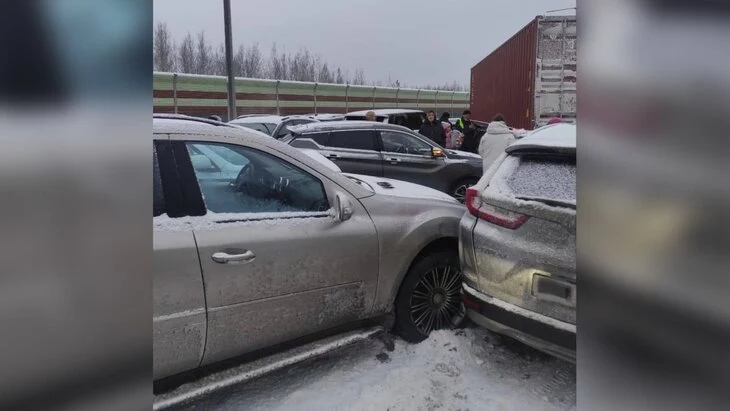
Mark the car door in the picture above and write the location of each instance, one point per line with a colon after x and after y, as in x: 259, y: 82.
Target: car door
x: 354, y: 151
x: 409, y: 158
x: 179, y: 315
x: 277, y: 264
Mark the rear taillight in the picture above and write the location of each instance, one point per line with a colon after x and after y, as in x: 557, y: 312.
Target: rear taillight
x: 495, y: 215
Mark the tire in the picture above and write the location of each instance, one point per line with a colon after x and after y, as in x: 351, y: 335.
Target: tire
x: 458, y: 190
x: 419, y: 311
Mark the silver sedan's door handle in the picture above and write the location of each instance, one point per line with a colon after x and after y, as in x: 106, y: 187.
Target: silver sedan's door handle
x: 225, y: 258
x: 332, y: 156
x: 394, y: 160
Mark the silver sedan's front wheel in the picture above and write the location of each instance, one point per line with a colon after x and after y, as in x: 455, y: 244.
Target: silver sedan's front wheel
x: 436, y: 300
x: 429, y: 298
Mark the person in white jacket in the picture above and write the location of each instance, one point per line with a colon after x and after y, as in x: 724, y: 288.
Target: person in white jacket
x: 495, y: 141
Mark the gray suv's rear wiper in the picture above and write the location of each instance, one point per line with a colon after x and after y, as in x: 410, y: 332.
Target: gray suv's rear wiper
x: 549, y: 201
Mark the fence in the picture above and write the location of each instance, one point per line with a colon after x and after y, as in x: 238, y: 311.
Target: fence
x: 200, y: 95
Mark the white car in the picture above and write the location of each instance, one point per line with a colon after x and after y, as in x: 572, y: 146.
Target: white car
x: 402, y: 117
x: 275, y: 126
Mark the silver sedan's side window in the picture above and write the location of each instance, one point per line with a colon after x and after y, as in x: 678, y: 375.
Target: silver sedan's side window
x: 237, y: 179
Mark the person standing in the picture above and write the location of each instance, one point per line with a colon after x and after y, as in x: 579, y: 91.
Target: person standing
x: 445, y: 118
x: 448, y: 137
x: 469, y: 130
x: 370, y: 116
x: 433, y: 129
x: 495, y: 141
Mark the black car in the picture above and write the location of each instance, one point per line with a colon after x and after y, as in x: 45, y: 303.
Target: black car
x: 391, y: 151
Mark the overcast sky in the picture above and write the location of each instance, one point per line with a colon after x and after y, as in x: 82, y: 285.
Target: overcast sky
x: 418, y: 42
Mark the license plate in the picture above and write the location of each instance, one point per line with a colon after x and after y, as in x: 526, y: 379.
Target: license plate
x: 552, y: 289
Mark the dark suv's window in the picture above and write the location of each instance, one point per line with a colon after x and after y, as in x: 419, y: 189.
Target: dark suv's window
x: 363, y: 118
x: 411, y: 120
x: 321, y: 138
x: 354, y: 139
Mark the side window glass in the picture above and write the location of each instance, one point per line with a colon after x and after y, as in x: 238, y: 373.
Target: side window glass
x: 415, y: 120
x: 321, y: 138
x: 158, y: 200
x: 399, y: 120
x: 395, y: 142
x: 355, y: 139
x: 237, y: 179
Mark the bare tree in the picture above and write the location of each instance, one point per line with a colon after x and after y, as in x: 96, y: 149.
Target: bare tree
x: 359, y: 78
x: 317, y: 68
x: 284, y: 62
x: 218, y: 65
x: 203, y: 55
x: 276, y: 68
x: 311, y: 66
x: 325, y: 76
x: 164, y: 49
x: 197, y: 56
x: 239, y: 62
x: 339, y: 78
x: 254, y: 62
x: 186, y: 55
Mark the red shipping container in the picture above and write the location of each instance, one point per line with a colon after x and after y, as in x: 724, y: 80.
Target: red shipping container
x: 531, y: 77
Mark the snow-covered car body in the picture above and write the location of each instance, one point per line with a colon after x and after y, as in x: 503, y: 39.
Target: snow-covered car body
x: 517, y: 242
x: 283, y: 249
x: 275, y: 126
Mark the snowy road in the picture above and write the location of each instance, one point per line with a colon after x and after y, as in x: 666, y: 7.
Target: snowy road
x: 470, y: 369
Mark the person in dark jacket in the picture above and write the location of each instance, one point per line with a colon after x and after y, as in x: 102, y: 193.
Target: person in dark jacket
x: 464, y: 124
x: 445, y: 116
x: 433, y: 129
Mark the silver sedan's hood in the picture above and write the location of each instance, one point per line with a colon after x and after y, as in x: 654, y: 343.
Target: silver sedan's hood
x: 397, y: 188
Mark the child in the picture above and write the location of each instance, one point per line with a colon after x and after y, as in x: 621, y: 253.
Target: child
x: 449, y: 143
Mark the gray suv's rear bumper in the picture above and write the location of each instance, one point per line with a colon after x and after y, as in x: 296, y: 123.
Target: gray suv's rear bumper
x: 544, y: 333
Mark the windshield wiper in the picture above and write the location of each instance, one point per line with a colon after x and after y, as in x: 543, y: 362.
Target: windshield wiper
x: 550, y: 202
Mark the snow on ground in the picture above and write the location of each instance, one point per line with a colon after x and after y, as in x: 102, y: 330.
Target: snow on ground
x: 469, y: 369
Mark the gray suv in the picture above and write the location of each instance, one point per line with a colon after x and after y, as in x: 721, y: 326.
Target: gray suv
x: 390, y: 151
x: 517, y: 243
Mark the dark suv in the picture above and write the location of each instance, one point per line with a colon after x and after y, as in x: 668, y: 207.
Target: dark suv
x: 391, y: 151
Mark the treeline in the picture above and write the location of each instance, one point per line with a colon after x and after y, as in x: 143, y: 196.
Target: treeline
x: 195, y: 55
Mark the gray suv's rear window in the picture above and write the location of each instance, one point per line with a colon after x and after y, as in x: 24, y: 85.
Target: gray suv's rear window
x: 547, y: 178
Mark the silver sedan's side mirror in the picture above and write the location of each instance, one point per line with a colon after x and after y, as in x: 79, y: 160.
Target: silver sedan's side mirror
x: 343, y: 208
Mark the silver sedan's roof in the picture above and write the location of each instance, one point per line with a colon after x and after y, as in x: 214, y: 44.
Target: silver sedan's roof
x: 559, y: 136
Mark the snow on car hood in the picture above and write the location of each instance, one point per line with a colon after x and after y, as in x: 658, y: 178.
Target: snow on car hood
x: 397, y: 188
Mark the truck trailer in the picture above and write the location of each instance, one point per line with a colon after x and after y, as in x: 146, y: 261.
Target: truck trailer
x: 531, y: 77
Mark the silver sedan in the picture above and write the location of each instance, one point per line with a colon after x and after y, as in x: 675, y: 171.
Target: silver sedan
x: 257, y: 244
